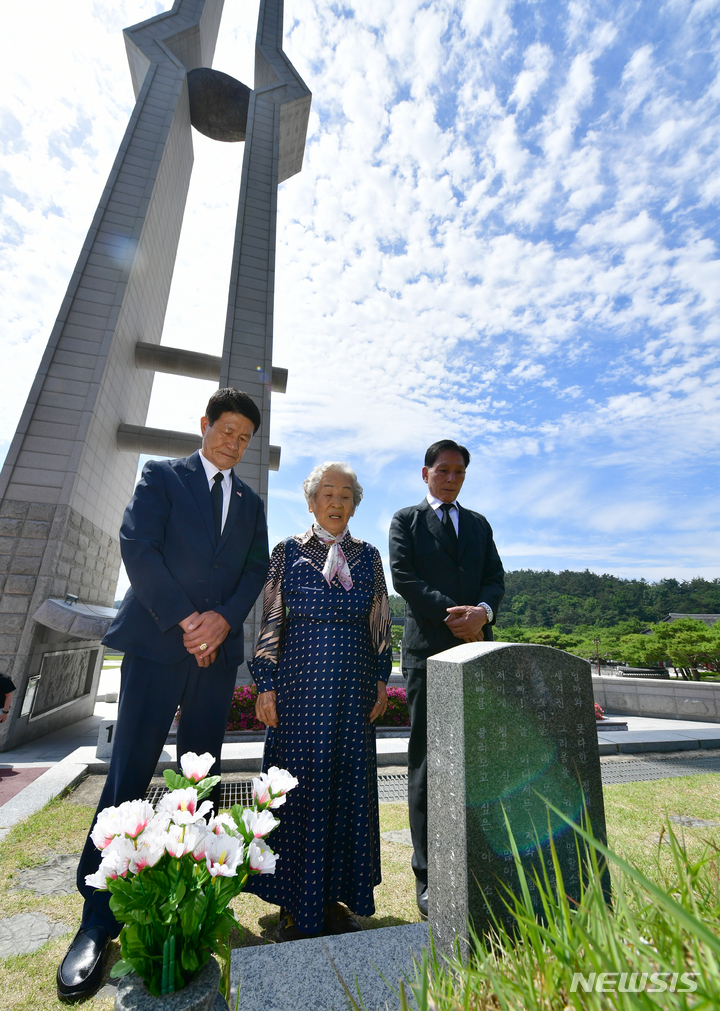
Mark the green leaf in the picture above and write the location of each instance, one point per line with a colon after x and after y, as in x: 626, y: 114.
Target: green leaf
x: 236, y: 812
x: 189, y: 959
x: 205, y: 786
x: 120, y: 969
x: 174, y: 780
x: 190, y: 913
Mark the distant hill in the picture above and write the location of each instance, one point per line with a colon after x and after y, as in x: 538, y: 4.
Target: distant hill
x: 568, y: 599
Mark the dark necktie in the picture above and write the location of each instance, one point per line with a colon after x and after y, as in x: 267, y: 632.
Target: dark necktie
x: 216, y: 498
x: 448, y: 523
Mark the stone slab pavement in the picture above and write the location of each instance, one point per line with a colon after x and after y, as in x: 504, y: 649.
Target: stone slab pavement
x: 650, y: 734
x: 299, y: 974
x: 26, y: 932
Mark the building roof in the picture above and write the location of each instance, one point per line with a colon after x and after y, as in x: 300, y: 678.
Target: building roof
x: 709, y: 619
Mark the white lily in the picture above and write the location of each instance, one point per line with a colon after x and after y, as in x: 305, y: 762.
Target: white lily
x: 182, y: 806
x: 134, y: 817
x: 270, y: 787
x: 174, y: 841
x: 114, y: 864
x: 223, y: 854
x: 196, y: 767
x: 257, y: 824
x: 147, y: 854
x: 221, y: 823
x: 262, y: 858
x: 107, y: 826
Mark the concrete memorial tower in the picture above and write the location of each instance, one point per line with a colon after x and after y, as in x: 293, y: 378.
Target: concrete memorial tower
x: 72, y: 463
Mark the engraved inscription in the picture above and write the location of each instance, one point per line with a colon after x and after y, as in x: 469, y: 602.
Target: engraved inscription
x: 64, y: 677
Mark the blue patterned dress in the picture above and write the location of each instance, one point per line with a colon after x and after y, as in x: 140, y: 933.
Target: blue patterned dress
x: 323, y: 649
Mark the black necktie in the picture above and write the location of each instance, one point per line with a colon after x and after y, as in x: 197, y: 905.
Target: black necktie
x: 216, y: 498
x: 447, y: 521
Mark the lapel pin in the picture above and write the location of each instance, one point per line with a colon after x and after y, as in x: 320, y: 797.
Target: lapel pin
x: 239, y: 493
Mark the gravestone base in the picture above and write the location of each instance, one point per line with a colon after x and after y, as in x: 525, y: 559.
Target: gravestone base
x: 510, y: 726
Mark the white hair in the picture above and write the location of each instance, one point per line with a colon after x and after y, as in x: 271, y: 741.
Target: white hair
x: 311, y: 483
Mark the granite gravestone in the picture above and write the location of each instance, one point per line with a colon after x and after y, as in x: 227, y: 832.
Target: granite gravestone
x: 509, y: 726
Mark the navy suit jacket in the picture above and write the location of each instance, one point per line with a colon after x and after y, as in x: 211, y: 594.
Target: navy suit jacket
x: 431, y: 575
x: 167, y: 541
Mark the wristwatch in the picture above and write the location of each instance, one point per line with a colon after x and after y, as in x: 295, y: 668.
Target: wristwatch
x: 490, y: 612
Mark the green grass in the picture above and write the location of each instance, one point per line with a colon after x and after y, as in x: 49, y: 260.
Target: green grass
x: 635, y: 813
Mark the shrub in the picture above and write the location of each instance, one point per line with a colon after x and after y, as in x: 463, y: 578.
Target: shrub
x: 242, y: 710
x: 397, y: 713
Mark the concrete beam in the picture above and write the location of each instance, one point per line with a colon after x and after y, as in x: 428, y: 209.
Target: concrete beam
x: 177, y: 361
x: 163, y: 442
x: 279, y: 380
x: 156, y: 441
x: 274, y: 458
x: 194, y: 364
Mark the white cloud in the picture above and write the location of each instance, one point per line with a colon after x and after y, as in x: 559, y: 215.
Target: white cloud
x: 538, y: 60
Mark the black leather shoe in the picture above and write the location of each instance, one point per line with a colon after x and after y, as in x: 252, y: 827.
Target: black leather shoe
x: 80, y: 972
x: 287, y: 929
x: 421, y: 891
x: 339, y: 919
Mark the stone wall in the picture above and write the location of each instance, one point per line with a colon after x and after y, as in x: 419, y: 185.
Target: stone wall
x: 45, y: 551
x: 655, y: 697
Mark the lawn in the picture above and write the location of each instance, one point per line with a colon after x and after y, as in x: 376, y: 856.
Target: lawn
x: 635, y: 816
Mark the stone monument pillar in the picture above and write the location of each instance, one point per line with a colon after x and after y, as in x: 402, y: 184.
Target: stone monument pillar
x: 71, y: 466
x: 508, y: 725
x: 278, y: 113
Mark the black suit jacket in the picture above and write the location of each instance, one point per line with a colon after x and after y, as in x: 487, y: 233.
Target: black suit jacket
x: 431, y: 576
x: 167, y: 541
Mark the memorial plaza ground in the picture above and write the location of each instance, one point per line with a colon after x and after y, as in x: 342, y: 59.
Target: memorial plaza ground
x: 39, y: 907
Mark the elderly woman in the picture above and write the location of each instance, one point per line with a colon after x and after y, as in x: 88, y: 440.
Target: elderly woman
x: 321, y: 664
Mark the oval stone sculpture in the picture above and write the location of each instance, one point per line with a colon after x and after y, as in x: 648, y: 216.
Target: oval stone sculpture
x: 200, y: 995
x: 218, y: 104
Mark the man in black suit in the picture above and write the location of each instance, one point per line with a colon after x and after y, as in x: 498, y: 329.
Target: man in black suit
x: 194, y: 544
x: 445, y: 565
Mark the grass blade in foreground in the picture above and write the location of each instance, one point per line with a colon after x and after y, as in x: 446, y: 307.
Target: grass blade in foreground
x: 654, y: 948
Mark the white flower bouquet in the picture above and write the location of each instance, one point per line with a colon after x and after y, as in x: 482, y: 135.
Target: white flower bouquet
x: 172, y: 874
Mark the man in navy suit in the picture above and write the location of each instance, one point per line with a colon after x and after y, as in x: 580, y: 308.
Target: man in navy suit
x: 194, y: 544
x: 445, y: 565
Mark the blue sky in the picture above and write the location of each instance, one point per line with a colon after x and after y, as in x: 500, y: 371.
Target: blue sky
x: 505, y: 232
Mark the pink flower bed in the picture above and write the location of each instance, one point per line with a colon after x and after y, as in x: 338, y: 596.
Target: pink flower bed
x: 242, y: 710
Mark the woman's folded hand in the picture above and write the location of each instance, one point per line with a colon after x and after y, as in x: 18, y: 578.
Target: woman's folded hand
x: 381, y: 704
x: 265, y: 709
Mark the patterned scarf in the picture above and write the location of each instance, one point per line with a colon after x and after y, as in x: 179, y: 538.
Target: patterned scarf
x: 336, y: 562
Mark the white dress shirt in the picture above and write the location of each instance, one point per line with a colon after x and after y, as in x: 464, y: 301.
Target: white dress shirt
x: 454, y: 514
x: 211, y: 470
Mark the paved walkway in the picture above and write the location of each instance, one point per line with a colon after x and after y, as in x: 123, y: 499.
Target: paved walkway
x: 642, y: 735
x: 645, y: 734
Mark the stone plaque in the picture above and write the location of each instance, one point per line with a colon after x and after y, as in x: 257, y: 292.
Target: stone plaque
x: 64, y: 676
x: 509, y: 726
